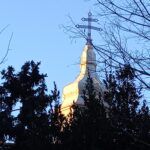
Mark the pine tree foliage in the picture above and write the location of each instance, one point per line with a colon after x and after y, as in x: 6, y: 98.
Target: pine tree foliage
x: 33, y: 125
x: 125, y: 113
x: 123, y: 125
x: 30, y: 116
x: 88, y: 126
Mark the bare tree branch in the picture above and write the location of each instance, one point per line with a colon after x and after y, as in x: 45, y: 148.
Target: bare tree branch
x: 8, y: 49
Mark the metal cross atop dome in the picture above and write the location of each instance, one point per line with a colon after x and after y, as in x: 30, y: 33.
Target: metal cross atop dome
x: 89, y: 26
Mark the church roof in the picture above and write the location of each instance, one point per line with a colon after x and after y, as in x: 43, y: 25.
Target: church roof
x: 73, y: 92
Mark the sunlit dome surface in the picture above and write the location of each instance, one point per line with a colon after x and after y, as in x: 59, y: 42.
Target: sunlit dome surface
x: 73, y: 92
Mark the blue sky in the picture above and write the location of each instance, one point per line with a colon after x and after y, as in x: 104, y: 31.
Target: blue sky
x: 38, y: 36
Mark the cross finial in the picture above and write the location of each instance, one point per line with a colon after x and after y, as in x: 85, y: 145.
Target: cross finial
x: 89, y: 26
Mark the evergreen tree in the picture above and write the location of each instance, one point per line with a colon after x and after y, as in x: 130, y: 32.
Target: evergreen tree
x: 38, y: 124
x: 88, y: 126
x: 34, y: 126
x: 125, y: 113
x: 6, y: 107
x: 123, y: 124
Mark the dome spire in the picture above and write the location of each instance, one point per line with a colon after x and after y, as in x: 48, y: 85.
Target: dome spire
x: 89, y: 27
x: 73, y: 92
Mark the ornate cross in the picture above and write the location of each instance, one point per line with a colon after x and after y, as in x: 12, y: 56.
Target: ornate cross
x: 89, y: 26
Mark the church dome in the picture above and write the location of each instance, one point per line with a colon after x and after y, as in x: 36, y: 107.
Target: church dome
x: 73, y: 92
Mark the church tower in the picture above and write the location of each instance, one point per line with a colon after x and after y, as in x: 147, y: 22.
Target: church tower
x: 73, y: 92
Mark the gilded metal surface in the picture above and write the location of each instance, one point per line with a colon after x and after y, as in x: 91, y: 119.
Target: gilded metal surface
x: 73, y: 91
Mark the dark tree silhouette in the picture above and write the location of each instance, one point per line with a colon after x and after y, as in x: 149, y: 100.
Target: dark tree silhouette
x: 88, y: 126
x: 125, y: 113
x: 31, y: 117
x: 121, y: 125
x: 34, y: 124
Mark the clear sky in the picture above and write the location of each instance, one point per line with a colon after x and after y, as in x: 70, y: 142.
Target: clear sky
x: 38, y: 36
